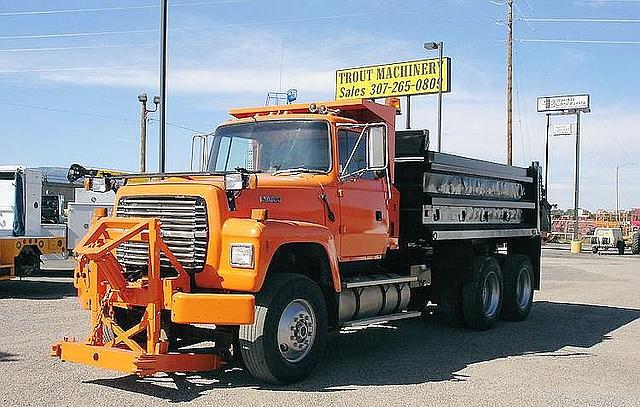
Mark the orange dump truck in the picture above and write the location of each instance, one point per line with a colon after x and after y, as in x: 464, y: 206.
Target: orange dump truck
x: 305, y: 219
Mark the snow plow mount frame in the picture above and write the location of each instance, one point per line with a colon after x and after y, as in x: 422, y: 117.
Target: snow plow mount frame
x: 99, y: 278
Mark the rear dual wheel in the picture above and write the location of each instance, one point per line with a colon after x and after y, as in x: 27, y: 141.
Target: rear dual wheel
x: 518, y: 287
x: 482, y: 295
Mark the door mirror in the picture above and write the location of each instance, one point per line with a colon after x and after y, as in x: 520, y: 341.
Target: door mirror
x: 377, y: 148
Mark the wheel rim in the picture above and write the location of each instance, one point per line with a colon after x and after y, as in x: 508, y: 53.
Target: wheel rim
x: 523, y: 288
x: 491, y: 294
x: 296, y: 330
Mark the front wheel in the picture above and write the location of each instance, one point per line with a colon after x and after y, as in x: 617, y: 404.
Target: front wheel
x: 482, y: 295
x: 285, y: 342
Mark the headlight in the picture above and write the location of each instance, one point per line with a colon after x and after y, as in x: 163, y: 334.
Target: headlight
x: 241, y: 255
x: 233, y: 182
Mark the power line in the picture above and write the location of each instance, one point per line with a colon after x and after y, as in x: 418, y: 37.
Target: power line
x: 77, y: 34
x: 80, y: 68
x: 57, y: 110
x: 606, y: 1
x: 122, y: 8
x: 197, y: 28
x: 178, y: 126
x: 283, y: 21
x: 580, y: 20
x: 91, y: 114
x: 145, y: 44
x: 613, y: 42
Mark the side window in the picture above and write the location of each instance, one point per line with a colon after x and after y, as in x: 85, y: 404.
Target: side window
x: 346, y: 142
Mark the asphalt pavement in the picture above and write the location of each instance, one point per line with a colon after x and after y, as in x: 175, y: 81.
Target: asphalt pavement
x: 580, y: 345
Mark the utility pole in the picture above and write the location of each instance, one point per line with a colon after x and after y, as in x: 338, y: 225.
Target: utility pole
x: 617, y: 195
x: 142, y: 98
x: 163, y: 85
x: 509, y: 83
x: 440, y: 51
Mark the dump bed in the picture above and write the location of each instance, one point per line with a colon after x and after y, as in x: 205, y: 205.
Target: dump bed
x: 448, y: 197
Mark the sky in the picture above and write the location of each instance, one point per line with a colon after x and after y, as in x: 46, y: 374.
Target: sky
x: 70, y: 73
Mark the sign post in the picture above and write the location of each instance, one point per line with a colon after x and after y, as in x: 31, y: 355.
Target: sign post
x: 567, y: 105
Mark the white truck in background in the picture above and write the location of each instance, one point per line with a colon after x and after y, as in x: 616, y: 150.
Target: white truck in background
x: 42, y: 213
x: 24, y: 237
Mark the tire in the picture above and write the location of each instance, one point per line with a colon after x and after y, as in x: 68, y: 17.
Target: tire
x: 267, y: 351
x: 620, y: 247
x: 27, y: 263
x: 518, y: 288
x: 481, y: 309
x: 450, y: 310
x: 635, y: 243
x: 594, y: 249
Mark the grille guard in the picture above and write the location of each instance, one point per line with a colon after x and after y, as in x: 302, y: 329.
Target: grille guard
x: 101, y: 285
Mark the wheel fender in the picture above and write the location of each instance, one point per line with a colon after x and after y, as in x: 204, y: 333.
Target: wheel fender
x: 266, y: 237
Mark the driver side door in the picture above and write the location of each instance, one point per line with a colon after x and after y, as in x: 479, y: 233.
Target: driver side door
x: 364, y: 219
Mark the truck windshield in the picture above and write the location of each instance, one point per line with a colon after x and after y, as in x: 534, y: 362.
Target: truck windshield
x: 272, y: 146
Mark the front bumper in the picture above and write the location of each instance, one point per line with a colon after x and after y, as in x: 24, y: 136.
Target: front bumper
x: 127, y: 361
x: 219, y: 309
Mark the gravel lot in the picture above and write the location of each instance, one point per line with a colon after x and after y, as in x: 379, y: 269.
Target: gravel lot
x: 579, y: 346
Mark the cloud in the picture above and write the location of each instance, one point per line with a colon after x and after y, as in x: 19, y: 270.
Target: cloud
x: 240, y: 65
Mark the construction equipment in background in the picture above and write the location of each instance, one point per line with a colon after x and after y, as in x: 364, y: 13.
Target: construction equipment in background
x: 307, y: 218
x: 607, y: 238
x: 31, y: 217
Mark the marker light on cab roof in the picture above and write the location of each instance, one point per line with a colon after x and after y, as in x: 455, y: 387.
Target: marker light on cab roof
x: 393, y: 102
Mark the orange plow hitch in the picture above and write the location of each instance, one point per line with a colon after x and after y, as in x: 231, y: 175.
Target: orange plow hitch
x: 102, y: 285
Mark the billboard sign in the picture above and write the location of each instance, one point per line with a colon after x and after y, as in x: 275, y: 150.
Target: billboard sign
x: 572, y: 103
x: 398, y: 79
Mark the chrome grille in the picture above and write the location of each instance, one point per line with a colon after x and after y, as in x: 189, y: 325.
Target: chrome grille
x: 183, y: 227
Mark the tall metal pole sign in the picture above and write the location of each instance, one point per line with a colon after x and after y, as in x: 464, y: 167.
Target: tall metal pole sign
x: 562, y: 106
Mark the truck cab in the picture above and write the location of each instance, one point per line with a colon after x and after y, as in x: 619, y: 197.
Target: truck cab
x: 303, y: 219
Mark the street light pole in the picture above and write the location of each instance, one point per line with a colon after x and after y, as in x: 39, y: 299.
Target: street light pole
x: 143, y: 132
x: 142, y: 98
x: 440, y: 47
